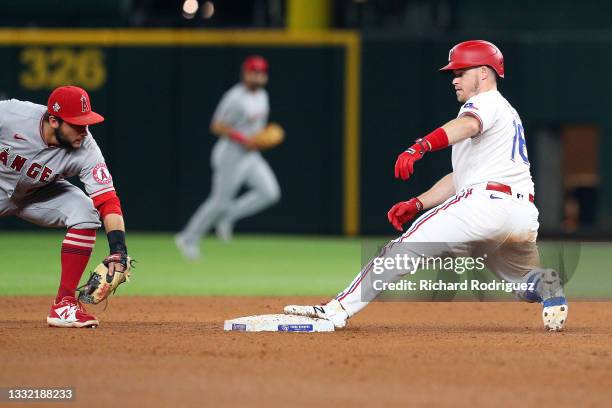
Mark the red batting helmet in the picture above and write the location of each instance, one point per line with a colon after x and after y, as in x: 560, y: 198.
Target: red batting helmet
x: 473, y: 54
x: 255, y: 63
x: 71, y: 104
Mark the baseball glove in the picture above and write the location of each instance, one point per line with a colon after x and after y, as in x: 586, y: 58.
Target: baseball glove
x: 101, y: 284
x: 269, y: 137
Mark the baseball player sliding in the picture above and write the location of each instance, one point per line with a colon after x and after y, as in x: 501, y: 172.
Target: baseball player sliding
x: 488, y: 198
x: 241, y: 114
x: 40, y: 146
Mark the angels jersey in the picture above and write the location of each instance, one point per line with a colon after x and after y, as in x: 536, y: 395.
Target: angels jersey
x: 234, y: 166
x: 499, y: 152
x: 28, y: 164
x: 244, y: 110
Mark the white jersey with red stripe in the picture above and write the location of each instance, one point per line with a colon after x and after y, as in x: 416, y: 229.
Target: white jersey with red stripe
x: 499, y: 152
x: 28, y: 164
x: 474, y: 216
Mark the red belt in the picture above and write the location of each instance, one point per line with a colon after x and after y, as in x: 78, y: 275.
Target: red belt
x: 502, y: 188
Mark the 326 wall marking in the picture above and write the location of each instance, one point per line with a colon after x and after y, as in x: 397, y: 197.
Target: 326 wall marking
x: 44, y: 69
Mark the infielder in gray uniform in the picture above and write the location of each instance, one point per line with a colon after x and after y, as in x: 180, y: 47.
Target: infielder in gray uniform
x: 242, y: 112
x: 40, y: 147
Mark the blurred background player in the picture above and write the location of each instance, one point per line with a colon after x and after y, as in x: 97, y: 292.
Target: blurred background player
x: 39, y: 147
x: 241, y: 113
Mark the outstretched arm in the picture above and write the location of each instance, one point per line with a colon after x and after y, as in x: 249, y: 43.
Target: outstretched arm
x: 438, y: 193
x: 461, y: 128
x: 114, y: 222
x: 450, y: 133
x: 109, y: 207
x: 405, y: 211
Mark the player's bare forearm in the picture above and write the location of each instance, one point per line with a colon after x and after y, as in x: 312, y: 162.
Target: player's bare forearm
x: 114, y: 222
x: 439, y: 192
x: 461, y: 128
x: 220, y: 129
x: 450, y: 133
x: 115, y: 232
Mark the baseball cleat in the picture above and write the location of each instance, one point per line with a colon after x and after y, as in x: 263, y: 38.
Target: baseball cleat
x: 224, y: 230
x: 332, y: 311
x: 70, y: 313
x: 554, y: 313
x: 188, y: 250
x: 547, y: 289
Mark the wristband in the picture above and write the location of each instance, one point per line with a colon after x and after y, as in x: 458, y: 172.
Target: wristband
x: 418, y: 204
x: 116, y: 242
x: 237, y: 136
x: 436, y: 140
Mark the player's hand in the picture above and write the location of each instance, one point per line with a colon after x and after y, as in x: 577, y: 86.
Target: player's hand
x: 404, y: 165
x: 116, y: 262
x: 249, y: 144
x: 403, y: 212
x: 238, y: 137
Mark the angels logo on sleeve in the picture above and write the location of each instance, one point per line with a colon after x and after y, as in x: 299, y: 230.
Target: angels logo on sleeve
x: 101, y: 174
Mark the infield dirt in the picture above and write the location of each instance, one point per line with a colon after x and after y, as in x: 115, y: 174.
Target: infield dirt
x: 162, y: 351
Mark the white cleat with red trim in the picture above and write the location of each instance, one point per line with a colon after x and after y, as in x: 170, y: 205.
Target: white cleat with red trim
x: 70, y: 313
x: 332, y: 311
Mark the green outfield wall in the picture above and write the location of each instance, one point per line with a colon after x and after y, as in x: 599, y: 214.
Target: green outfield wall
x: 349, y: 104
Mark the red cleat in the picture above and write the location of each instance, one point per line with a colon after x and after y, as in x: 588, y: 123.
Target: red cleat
x: 70, y: 313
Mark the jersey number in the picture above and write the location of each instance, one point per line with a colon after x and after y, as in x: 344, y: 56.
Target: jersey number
x: 519, y: 143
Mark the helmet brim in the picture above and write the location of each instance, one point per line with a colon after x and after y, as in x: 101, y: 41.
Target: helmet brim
x: 456, y: 65
x: 462, y: 65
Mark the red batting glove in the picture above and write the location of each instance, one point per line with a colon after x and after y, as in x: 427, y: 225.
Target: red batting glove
x: 403, y: 212
x: 404, y: 165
